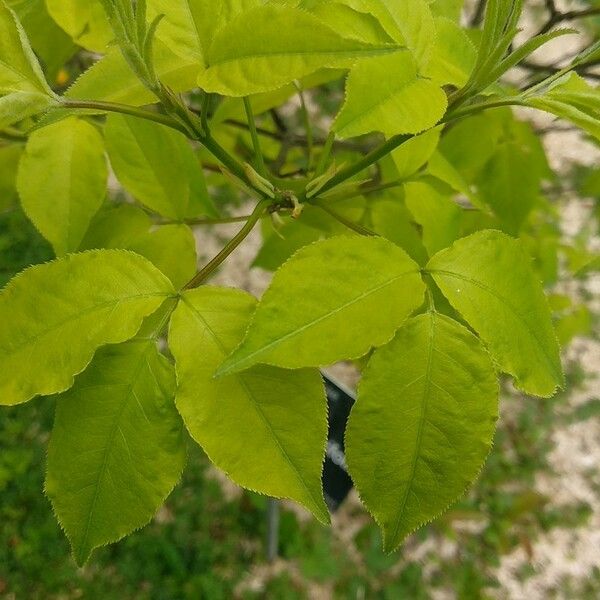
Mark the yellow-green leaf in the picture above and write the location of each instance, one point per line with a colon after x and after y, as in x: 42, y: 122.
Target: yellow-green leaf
x: 248, y: 423
x: 386, y: 94
x: 291, y: 43
x: 488, y: 278
x: 56, y: 315
x: 62, y: 181
x: 333, y: 300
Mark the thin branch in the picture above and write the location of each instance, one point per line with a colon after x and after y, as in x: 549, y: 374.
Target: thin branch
x: 551, y: 69
x: 307, y: 125
x: 297, y: 140
x: 220, y: 258
x: 557, y: 17
x: 125, y: 110
x: 356, y: 227
x: 477, y: 17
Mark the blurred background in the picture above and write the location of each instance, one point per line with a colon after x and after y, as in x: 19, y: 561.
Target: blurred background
x: 529, y: 528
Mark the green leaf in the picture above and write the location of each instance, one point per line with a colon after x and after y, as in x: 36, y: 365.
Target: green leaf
x: 408, y: 23
x: 423, y: 423
x: 386, y: 94
x: 391, y: 218
x: 20, y: 105
x: 488, y: 278
x: 117, y: 448
x: 331, y: 301
x: 117, y: 227
x: 248, y: 423
x: 62, y: 181
x: 48, y: 40
x: 56, y: 315
x: 434, y: 210
x: 350, y: 23
x: 282, y: 243
x: 23, y: 88
x: 84, y: 20
x: 510, y: 183
x: 189, y: 26
x: 292, y: 43
x: 453, y: 56
x: 415, y: 152
x: 19, y: 68
x: 112, y: 80
x: 170, y: 248
x: 574, y: 99
x: 157, y: 166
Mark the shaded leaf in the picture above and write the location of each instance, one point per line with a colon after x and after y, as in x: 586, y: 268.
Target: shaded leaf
x: 117, y: 448
x: 423, y: 423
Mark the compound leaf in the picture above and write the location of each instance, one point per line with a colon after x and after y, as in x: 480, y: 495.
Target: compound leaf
x: 333, y: 300
x: 56, y: 315
x: 248, y: 423
x: 488, y: 278
x: 62, y: 181
x: 423, y: 423
x: 117, y: 448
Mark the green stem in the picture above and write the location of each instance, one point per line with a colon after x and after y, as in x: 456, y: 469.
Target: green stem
x: 371, y: 189
x: 307, y: 126
x: 357, y: 227
x: 207, y: 141
x: 258, y: 155
x: 325, y: 154
x: 125, y: 110
x: 395, y: 142
x: 12, y: 135
x: 230, y: 162
x: 220, y: 258
x: 193, y: 222
x: 365, y: 162
x: 473, y: 109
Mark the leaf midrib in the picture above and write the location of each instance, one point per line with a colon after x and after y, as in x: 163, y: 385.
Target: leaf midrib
x: 423, y: 419
x: 115, y: 426
x: 374, y: 51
